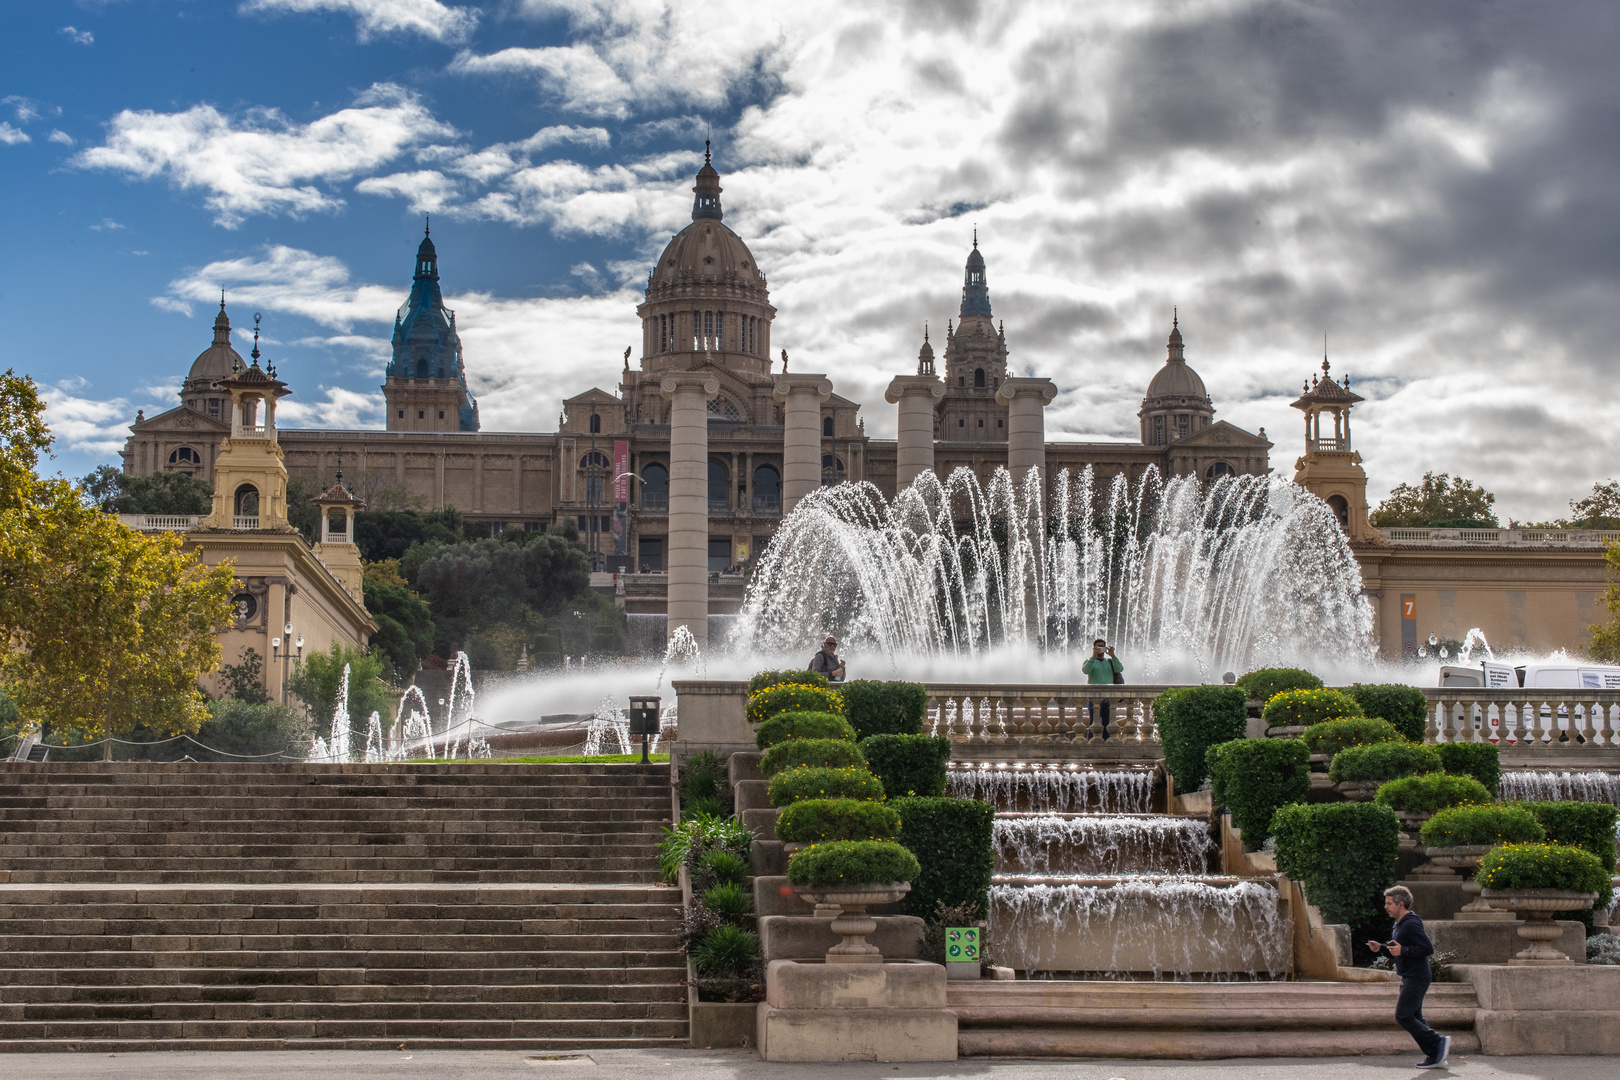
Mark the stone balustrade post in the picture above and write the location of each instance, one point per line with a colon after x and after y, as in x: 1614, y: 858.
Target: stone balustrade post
x: 689, y: 394
x: 1026, y: 400
x: 916, y: 395
x: 801, y: 397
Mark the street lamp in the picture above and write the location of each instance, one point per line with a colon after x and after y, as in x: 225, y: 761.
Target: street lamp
x: 285, y: 655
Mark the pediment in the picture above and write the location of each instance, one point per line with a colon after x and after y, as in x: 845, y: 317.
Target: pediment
x: 182, y: 420
x: 1220, y: 434
x: 594, y: 396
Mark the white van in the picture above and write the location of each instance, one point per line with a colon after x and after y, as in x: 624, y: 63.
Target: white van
x: 1550, y: 676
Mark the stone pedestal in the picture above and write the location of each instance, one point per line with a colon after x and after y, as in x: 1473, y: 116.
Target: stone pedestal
x: 1497, y: 942
x: 801, y: 397
x: 689, y: 394
x: 1026, y: 401
x: 855, y: 1012
x: 805, y: 937
x: 914, y: 454
x: 1435, y: 896
x: 1546, y: 1010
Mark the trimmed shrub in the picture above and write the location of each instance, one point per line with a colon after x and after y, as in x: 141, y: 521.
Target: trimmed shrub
x: 726, y: 952
x: 1267, y: 683
x: 1545, y: 866
x: 722, y: 868
x: 793, y: 698
x: 729, y: 901
x: 807, y: 782
x: 767, y: 679
x: 952, y: 839
x: 1470, y: 826
x: 1306, y: 708
x: 1331, y: 736
x: 802, y: 725
x: 1403, y: 706
x: 821, y: 753
x: 816, y: 821
x: 908, y: 764
x: 852, y: 862
x: 1588, y: 826
x: 884, y: 708
x: 1253, y: 777
x: 1192, y: 719
x: 1343, y: 854
x: 1428, y: 792
x: 1383, y: 761
x: 1477, y: 759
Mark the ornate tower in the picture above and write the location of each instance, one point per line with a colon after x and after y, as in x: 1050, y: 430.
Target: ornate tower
x: 250, y: 479
x: 1331, y: 470
x: 426, y: 386
x: 975, y: 363
x: 200, y: 392
x: 1176, y: 404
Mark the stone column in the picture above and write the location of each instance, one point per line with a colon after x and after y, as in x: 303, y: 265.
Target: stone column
x: 688, y: 567
x: 1026, y: 401
x: 916, y: 395
x: 801, y: 397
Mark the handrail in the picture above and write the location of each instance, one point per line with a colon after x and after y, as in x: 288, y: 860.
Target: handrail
x: 1519, y: 719
x: 1582, y: 538
x: 160, y: 522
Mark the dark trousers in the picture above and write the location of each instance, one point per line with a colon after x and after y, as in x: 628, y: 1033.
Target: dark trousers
x: 1101, y: 711
x: 1409, y: 1013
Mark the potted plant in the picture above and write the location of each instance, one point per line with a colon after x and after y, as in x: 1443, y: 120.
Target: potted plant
x: 853, y: 874
x: 1415, y: 799
x: 1289, y: 713
x: 1540, y: 879
x: 1459, y: 837
x: 1359, y: 771
x: 1330, y: 736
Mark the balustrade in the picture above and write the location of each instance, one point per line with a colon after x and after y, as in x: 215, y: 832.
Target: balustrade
x: 1525, y: 721
x: 988, y: 713
x: 244, y: 522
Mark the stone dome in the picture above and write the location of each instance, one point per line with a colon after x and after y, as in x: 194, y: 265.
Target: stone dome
x: 706, y: 250
x: 1176, y: 379
x: 219, y: 360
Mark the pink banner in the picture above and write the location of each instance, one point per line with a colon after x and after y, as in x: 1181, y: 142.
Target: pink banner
x: 621, y: 470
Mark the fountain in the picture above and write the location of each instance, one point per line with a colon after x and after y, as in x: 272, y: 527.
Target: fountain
x: 1053, y: 789
x: 1548, y: 786
x: 1088, y: 845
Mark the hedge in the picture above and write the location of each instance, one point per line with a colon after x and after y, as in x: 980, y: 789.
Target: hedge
x: 908, y: 764
x: 885, y: 708
x: 1331, y: 736
x: 1343, y: 854
x: 1266, y: 683
x: 1428, y: 792
x: 1471, y: 826
x: 815, y: 821
x: 1192, y: 719
x: 1589, y: 826
x: 802, y: 725
x: 852, y: 862
x: 952, y: 839
x: 1545, y: 866
x: 822, y: 753
x: 767, y: 679
x: 1402, y: 705
x: 1252, y: 778
x: 780, y: 699
x: 1303, y: 708
x: 792, y: 785
x: 1383, y: 761
x: 1477, y: 759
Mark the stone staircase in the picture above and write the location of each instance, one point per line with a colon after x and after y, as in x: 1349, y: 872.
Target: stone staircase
x: 469, y: 905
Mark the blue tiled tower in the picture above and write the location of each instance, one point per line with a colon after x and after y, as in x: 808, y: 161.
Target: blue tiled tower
x: 426, y: 387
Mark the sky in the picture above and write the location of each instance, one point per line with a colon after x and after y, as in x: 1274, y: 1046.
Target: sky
x: 1428, y: 187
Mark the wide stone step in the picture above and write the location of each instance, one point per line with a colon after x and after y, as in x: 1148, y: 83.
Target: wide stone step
x: 398, y: 1030
x: 308, y: 993
x: 248, y: 978
x: 659, y: 922
x: 16, y: 945
x: 339, y: 959
x: 348, y: 1010
x: 450, y: 1041
x: 332, y: 877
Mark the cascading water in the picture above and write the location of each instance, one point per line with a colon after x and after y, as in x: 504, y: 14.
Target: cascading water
x: 1236, y: 574
x: 1053, y: 789
x: 1089, y: 845
x: 607, y: 718
x: 1545, y: 786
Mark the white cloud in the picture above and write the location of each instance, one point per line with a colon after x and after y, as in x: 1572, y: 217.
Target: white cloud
x: 107, y: 225
x: 26, y: 109
x: 429, y: 18
x: 335, y: 408
x: 77, y: 36
x: 12, y: 136
x: 263, y: 163
x: 426, y: 189
x: 60, y: 136
x: 85, y: 424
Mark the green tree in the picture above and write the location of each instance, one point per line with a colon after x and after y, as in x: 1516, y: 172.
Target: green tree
x: 244, y: 681
x: 315, y: 681
x: 1437, y: 501
x: 302, y: 513
x: 1605, y: 644
x: 388, y: 534
x: 161, y: 493
x: 238, y: 728
x: 404, y: 622
x: 1599, y: 510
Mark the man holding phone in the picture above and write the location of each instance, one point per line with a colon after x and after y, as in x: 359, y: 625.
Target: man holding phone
x: 1410, y: 947
x: 1102, y: 668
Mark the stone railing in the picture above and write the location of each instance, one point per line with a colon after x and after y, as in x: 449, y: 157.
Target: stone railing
x: 245, y: 522
x: 991, y: 713
x: 160, y: 522
x: 1542, y: 724
x: 1581, y: 538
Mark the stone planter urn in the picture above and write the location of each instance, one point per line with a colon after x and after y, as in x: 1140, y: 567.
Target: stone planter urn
x: 852, y: 923
x: 1466, y: 858
x: 1539, y: 929
x: 1411, y: 825
x: 1290, y: 731
x: 1358, y: 790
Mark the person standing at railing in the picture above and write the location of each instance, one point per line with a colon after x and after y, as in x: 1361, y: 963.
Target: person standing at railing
x: 1410, y: 947
x: 1102, y: 668
x: 827, y: 662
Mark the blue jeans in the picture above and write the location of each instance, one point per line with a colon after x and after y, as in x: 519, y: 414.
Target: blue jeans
x: 1102, y: 713
x: 1409, y: 1014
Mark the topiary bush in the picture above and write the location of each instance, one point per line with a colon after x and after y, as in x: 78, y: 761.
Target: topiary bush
x: 793, y: 698
x: 1428, y: 792
x: 1477, y: 759
x: 884, y: 708
x: 727, y: 951
x: 1305, y: 708
x: 908, y: 764
x: 952, y: 839
x: 728, y: 900
x: 815, y: 821
x: 1331, y: 736
x: 1343, y: 854
x: 1544, y: 866
x: 1192, y: 719
x: 1403, y: 706
x: 1383, y: 761
x: 822, y: 753
x: 807, y: 782
x: 1588, y: 826
x: 767, y: 679
x: 1471, y: 826
x: 1253, y: 777
x: 721, y: 867
x: 1266, y: 683
x: 852, y: 862
x: 802, y: 725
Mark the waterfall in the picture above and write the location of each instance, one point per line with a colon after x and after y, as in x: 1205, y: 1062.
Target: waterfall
x: 1544, y: 786
x: 1054, y: 790
x: 1090, y: 844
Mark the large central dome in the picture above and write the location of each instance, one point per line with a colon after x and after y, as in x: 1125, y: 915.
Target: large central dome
x: 706, y: 250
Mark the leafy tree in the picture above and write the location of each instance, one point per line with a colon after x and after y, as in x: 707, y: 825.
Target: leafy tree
x: 302, y: 513
x: 161, y: 493
x: 404, y: 623
x: 1437, y: 501
x: 240, y: 728
x: 1599, y: 510
x: 245, y: 681
x: 315, y: 681
x: 388, y: 534
x: 1605, y: 644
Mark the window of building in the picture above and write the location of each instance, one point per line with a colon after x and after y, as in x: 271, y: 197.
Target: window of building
x: 441, y: 414
x: 961, y: 380
x: 1181, y: 427
x: 213, y: 408
x: 981, y: 422
x: 832, y: 470
x: 1158, y: 431
x: 1220, y: 468
x: 826, y: 427
x: 650, y: 554
x: 719, y: 331
x: 999, y: 423
x: 596, y: 466
x: 185, y: 456
x: 654, y: 487
x: 697, y: 331
x: 719, y: 485
x: 402, y: 414
x: 420, y: 415
x: 978, y: 377
x: 719, y: 553
x: 1341, y: 510
x: 246, y: 501
x: 767, y: 488
x: 596, y: 423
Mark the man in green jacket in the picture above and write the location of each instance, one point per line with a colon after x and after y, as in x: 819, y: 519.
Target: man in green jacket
x: 1102, y: 668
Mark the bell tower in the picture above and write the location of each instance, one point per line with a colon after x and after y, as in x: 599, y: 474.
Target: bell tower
x: 426, y: 383
x: 1331, y: 469
x: 250, y: 480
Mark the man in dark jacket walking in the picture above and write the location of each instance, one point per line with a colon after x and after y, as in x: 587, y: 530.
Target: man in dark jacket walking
x: 1410, y: 947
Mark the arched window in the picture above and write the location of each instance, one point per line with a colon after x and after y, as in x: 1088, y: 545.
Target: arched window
x: 245, y: 503
x: 596, y: 466
x: 697, y: 331
x: 1218, y: 470
x: 832, y: 470
x: 719, y: 331
x: 654, y: 487
x: 1341, y: 510
x: 978, y: 378
x: 826, y: 427
x: 185, y: 457
x: 719, y: 478
x: 723, y: 408
x: 596, y: 424
x: 767, y: 488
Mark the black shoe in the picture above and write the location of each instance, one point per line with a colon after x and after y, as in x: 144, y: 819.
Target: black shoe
x: 1430, y: 1063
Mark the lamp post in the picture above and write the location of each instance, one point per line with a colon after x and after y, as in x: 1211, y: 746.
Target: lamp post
x: 286, y: 655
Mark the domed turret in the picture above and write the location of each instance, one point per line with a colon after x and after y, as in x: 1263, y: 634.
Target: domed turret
x: 975, y: 285
x: 706, y: 192
x: 427, y: 357
x: 200, y: 391
x: 925, y: 356
x: 1176, y: 404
